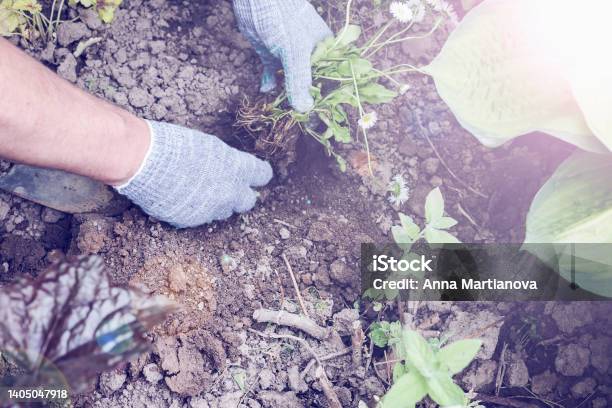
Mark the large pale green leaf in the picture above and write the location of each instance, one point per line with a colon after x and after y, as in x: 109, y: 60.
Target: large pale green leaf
x: 501, y: 78
x: 587, y: 60
x: 575, y: 207
x: 592, y: 88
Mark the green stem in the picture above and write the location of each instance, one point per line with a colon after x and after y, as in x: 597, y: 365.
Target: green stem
x: 59, y: 16
x: 387, y: 41
x: 377, y: 36
x: 361, y: 113
x: 52, y: 10
x: 416, y: 37
x: 388, y: 76
x: 402, y: 71
x: 346, y: 24
x: 333, y: 78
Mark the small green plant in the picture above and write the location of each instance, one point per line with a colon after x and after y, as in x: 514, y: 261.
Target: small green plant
x: 408, y: 233
x: 26, y: 18
x: 424, y: 368
x: 346, y: 79
x: 23, y: 17
x: 436, y: 225
x: 105, y: 8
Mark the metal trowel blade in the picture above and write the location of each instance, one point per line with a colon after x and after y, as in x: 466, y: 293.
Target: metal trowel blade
x: 56, y: 189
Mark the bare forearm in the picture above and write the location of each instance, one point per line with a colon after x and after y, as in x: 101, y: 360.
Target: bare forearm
x: 46, y: 121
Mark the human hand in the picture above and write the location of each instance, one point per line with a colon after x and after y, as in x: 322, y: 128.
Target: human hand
x: 284, y: 34
x: 190, y: 178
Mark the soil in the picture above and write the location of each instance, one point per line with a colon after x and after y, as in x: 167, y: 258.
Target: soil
x: 186, y: 63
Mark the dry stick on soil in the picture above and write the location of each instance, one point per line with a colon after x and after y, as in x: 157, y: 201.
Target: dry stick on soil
x: 501, y: 371
x: 357, y: 339
x: 286, y: 224
x: 320, y: 374
x: 324, y: 358
x: 295, y: 285
x: 467, y: 216
x: 452, y: 173
x: 478, y: 332
x: 551, y: 404
x: 296, y: 321
x: 370, y: 355
x: 282, y: 290
x: 505, y: 402
x: 328, y: 388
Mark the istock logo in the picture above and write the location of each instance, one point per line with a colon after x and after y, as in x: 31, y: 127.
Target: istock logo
x: 385, y: 263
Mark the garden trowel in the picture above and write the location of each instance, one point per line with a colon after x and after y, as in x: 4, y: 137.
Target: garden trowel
x: 61, y: 191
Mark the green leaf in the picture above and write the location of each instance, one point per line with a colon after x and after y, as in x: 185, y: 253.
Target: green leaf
x: 322, y: 49
x: 341, y: 163
x: 400, y: 236
x: 349, y: 35
x: 376, y: 94
x: 575, y: 206
x: 418, y: 353
x: 344, y: 94
x: 106, y: 10
x: 444, y: 223
x: 240, y: 377
x: 360, y: 67
x: 30, y: 6
x: 398, y: 371
x: 341, y: 133
x: 10, y: 20
x: 406, y: 391
x: 434, y: 206
x: 443, y: 390
x: 391, y: 294
x: 407, y: 233
x: 502, y: 81
x: 378, y: 335
x: 435, y: 236
x: 339, y: 114
x: 459, y: 355
x: 328, y: 134
x: 409, y: 225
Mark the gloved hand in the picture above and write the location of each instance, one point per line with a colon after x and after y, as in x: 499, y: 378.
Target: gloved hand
x: 284, y: 33
x: 190, y: 178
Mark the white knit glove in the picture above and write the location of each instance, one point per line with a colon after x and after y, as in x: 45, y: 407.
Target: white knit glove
x: 190, y: 178
x: 284, y: 34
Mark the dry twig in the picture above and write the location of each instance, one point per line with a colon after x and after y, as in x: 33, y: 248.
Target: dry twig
x: 357, y: 339
x: 296, y: 321
x: 320, y: 374
x: 328, y: 388
x: 295, y: 285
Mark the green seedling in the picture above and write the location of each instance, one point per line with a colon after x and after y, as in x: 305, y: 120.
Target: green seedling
x: 408, y: 232
x: 424, y: 368
x: 25, y: 18
x: 346, y: 78
x: 105, y: 8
